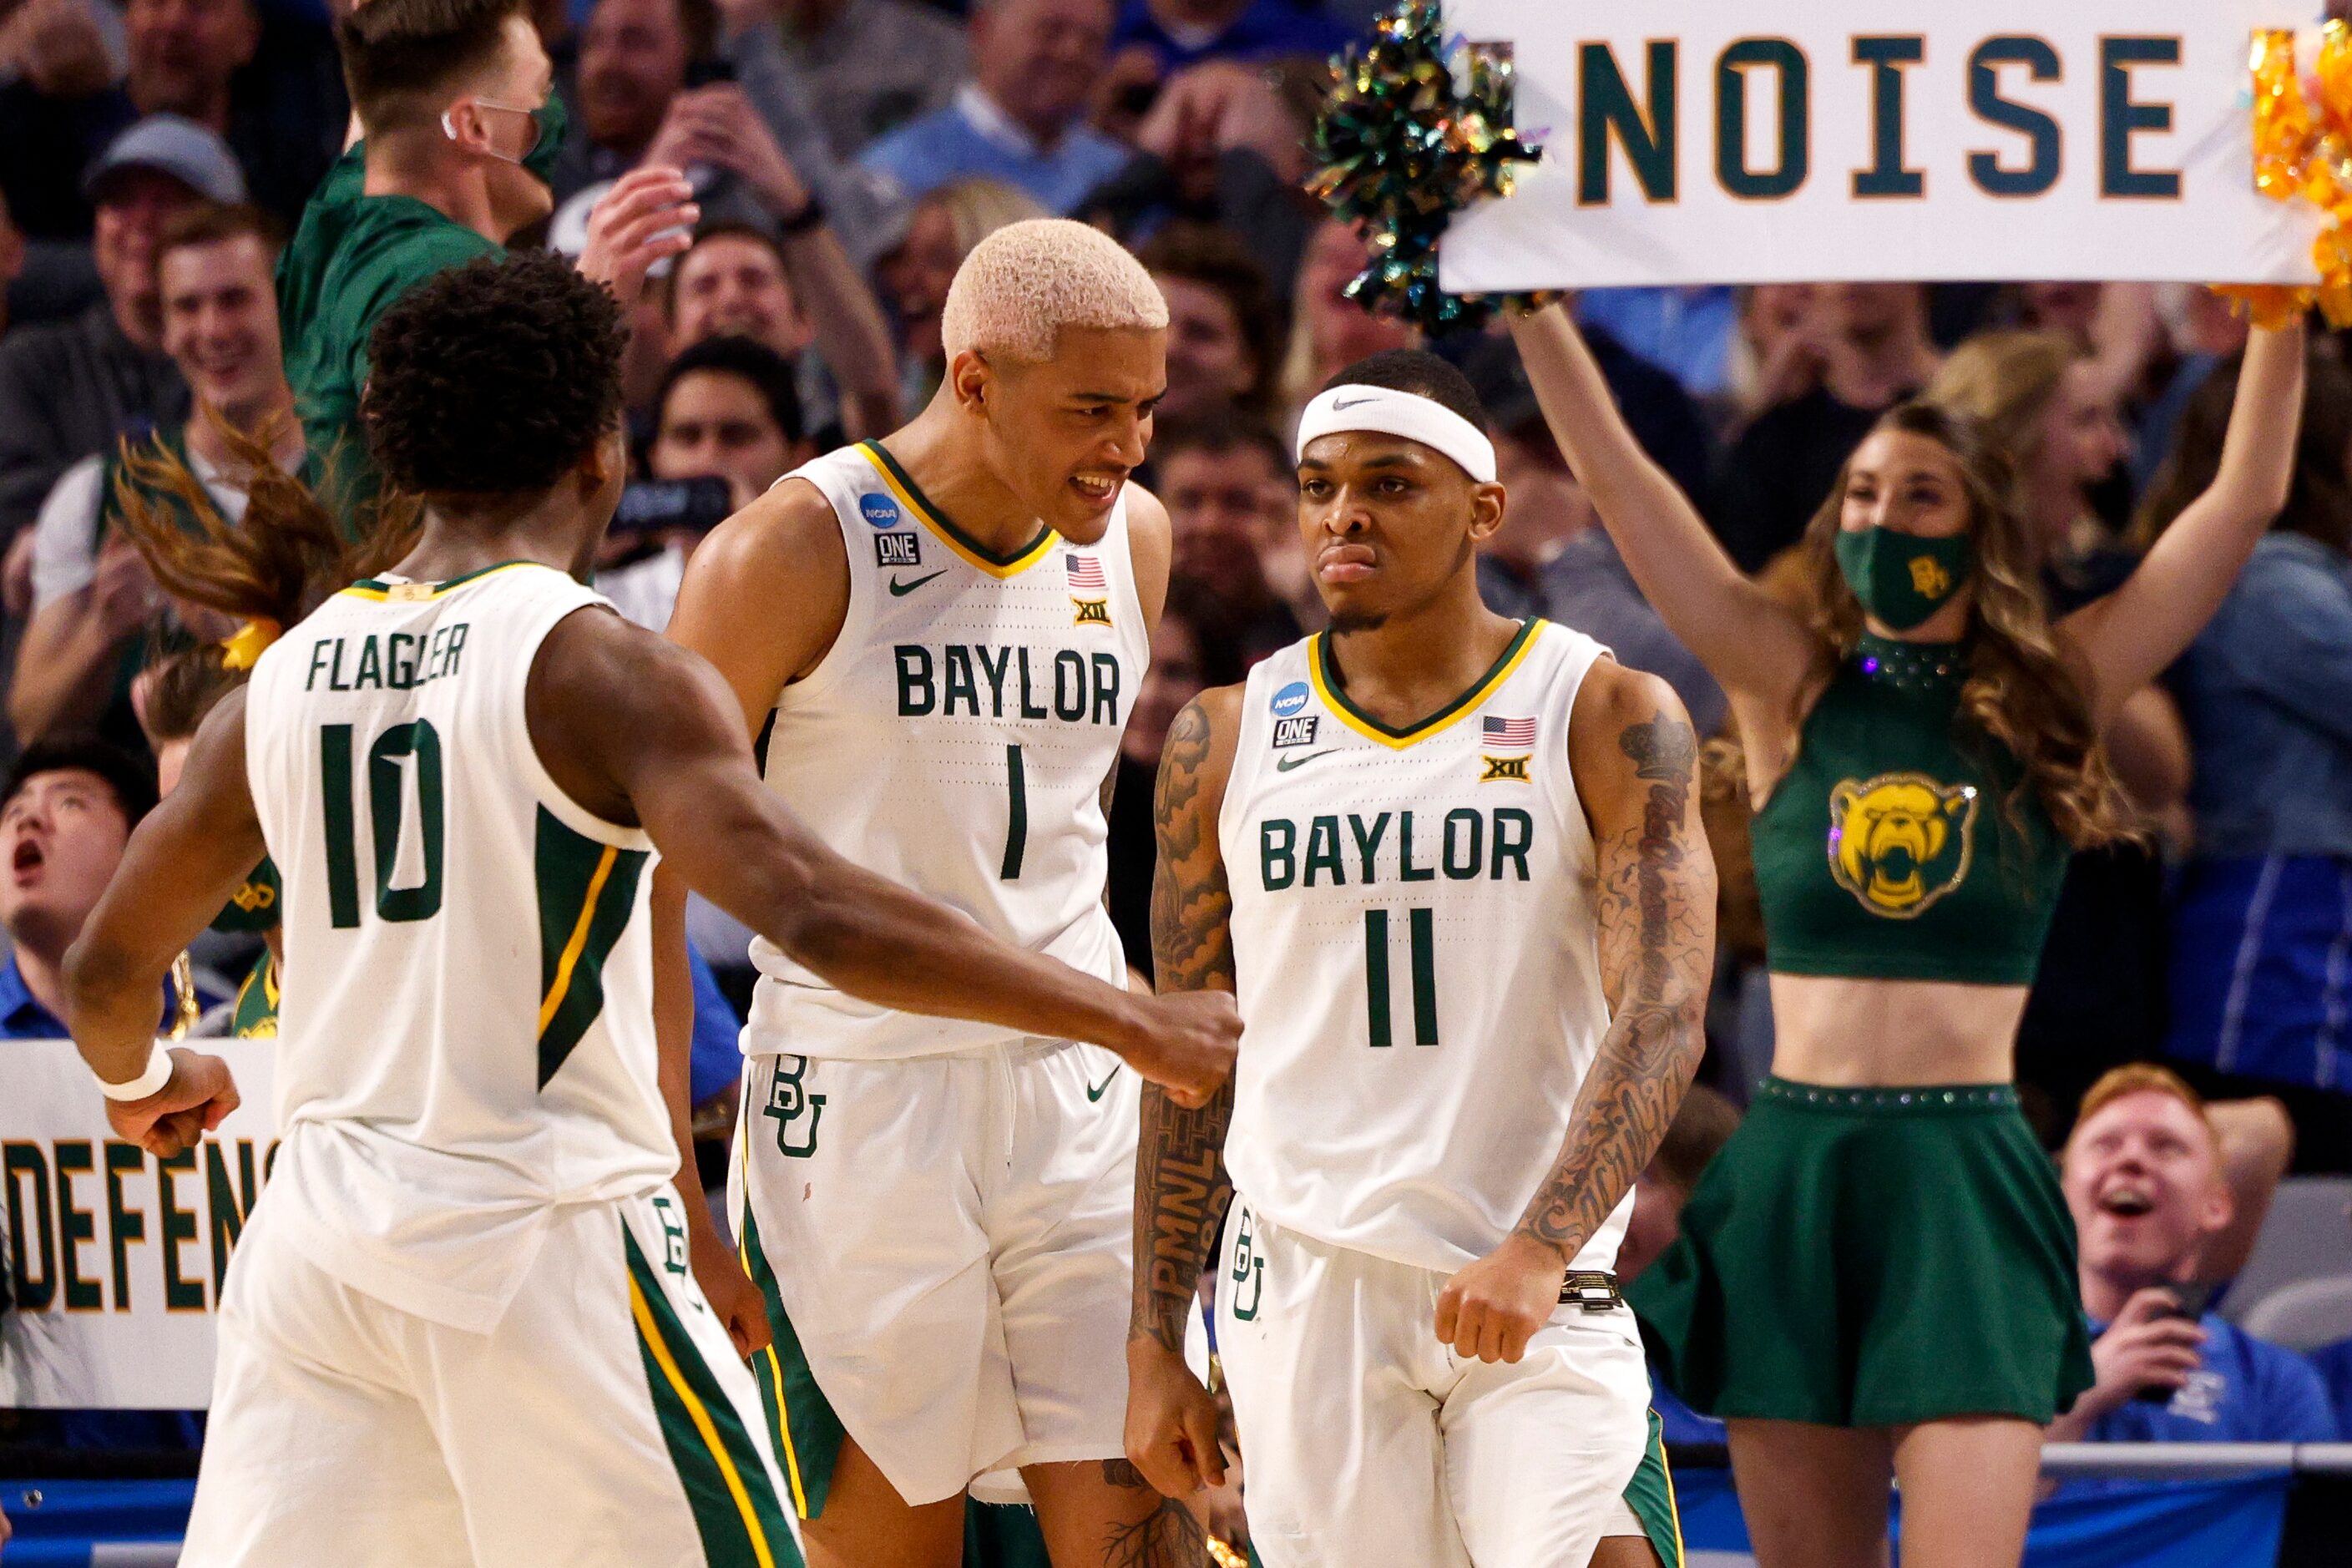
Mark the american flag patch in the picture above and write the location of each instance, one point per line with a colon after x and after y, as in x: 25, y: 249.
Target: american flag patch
x: 1509, y: 732
x: 1086, y: 575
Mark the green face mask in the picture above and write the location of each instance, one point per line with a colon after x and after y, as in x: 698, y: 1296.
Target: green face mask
x: 1901, y: 578
x: 553, y: 119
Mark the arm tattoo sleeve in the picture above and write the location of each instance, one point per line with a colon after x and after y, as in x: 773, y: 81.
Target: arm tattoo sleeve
x: 1656, y: 939
x: 1180, y: 1188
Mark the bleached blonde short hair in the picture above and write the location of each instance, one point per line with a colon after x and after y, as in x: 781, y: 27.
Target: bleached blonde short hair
x: 1023, y: 284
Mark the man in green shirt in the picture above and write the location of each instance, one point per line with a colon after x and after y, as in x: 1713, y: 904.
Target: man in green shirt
x: 455, y: 103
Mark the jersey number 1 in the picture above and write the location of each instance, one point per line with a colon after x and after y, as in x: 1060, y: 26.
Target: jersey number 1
x: 1017, y: 816
x: 1422, y: 939
x: 400, y: 751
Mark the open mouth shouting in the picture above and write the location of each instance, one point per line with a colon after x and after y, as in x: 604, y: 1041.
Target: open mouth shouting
x: 1098, y: 488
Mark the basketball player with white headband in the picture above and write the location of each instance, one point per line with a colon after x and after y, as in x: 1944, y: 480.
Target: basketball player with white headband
x: 1452, y: 865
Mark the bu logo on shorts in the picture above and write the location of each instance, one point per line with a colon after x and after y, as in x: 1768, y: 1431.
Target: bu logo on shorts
x: 789, y: 1102
x: 1248, y: 1269
x: 674, y: 1252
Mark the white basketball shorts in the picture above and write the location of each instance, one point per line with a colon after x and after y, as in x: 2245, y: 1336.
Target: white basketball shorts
x: 945, y: 1243
x: 1367, y: 1441
x: 604, y: 1420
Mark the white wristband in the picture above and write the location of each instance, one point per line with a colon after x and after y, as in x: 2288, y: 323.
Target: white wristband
x: 158, y: 1074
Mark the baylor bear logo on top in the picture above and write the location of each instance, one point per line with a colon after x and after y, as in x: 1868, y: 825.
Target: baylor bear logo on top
x: 1900, y: 841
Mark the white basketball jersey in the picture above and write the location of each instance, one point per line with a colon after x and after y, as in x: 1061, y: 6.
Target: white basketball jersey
x: 955, y: 739
x: 466, y: 1030
x: 1413, y: 945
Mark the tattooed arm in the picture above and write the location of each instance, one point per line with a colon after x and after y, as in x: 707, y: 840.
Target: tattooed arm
x: 1181, y: 1187
x: 1635, y: 761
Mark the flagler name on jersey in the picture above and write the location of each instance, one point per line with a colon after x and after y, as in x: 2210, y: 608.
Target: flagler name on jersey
x: 398, y: 661
x: 979, y: 680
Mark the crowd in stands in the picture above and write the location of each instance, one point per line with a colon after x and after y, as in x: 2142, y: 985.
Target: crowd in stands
x: 156, y: 156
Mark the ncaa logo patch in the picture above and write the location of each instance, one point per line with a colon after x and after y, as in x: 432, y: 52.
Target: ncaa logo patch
x: 1298, y: 731
x: 1290, y: 699
x: 897, y: 550
x: 878, y: 510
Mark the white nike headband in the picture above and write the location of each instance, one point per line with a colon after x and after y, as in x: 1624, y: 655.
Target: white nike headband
x: 1391, y: 413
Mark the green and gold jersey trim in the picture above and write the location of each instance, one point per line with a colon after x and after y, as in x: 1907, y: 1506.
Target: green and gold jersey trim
x: 255, y: 1018
x: 736, y: 1511
x: 1651, y: 1495
x: 802, y: 1420
x: 970, y: 550
x: 587, y: 892
x: 379, y: 590
x: 1326, y: 676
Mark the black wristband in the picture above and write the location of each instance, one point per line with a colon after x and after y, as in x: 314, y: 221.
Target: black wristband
x: 810, y: 217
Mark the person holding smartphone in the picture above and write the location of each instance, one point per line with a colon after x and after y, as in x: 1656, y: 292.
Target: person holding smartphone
x: 2142, y: 1175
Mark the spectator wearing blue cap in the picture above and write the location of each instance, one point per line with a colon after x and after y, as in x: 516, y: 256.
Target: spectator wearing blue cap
x: 71, y: 388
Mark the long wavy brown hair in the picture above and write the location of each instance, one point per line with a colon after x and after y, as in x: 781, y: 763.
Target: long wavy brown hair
x: 277, y: 563
x: 2022, y: 690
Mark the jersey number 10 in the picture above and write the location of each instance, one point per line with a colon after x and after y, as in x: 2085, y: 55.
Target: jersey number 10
x: 400, y: 751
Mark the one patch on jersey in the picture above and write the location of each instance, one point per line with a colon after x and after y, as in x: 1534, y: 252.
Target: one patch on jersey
x: 1298, y: 731
x: 878, y: 510
x: 897, y: 550
x: 1089, y: 590
x: 1290, y: 699
x: 1512, y: 770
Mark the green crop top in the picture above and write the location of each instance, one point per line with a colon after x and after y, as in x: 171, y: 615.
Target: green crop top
x: 1884, y: 852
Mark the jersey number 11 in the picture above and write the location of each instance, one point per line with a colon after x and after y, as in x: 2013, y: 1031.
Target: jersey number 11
x: 1421, y: 925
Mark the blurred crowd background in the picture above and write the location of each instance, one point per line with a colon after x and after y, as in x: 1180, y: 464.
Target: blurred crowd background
x: 847, y: 155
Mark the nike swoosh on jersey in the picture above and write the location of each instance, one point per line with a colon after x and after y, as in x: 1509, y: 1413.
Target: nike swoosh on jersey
x: 899, y: 588
x: 1284, y: 765
x: 1094, y: 1091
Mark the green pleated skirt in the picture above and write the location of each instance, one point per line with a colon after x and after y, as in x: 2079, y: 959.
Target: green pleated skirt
x: 1872, y: 1257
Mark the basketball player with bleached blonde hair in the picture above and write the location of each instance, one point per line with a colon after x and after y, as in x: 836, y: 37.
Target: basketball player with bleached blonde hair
x: 942, y: 632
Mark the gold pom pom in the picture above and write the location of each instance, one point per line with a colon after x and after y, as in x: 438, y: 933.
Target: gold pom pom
x: 2304, y: 151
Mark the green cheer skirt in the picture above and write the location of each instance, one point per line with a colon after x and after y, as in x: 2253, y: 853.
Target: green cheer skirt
x: 1872, y: 1257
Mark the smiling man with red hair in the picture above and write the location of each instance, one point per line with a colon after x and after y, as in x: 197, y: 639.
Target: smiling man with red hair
x: 2143, y: 1176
